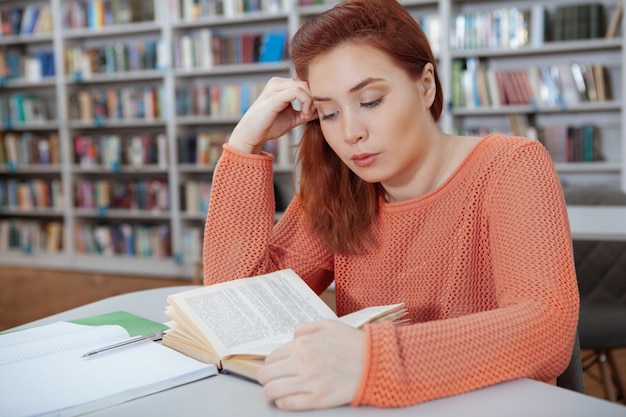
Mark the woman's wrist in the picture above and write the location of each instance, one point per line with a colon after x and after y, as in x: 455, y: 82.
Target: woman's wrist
x: 245, y: 148
x: 238, y: 141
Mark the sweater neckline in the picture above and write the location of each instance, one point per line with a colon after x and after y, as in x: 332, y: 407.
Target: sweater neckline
x: 440, y: 190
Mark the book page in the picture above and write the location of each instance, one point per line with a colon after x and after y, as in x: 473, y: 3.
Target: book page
x: 252, y: 315
x: 359, y: 318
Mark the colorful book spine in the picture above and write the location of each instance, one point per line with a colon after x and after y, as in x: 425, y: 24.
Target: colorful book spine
x: 141, y: 241
x: 115, y: 152
x: 545, y: 86
x: 31, y: 236
x: 132, y: 102
x: 102, y: 195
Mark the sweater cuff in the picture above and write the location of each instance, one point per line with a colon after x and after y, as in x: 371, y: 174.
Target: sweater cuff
x: 247, y: 158
x: 358, y: 396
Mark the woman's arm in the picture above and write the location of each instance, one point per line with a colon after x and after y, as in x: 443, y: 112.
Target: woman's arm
x: 240, y: 238
x: 531, y: 331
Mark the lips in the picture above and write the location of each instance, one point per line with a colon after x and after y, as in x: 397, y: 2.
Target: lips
x: 363, y: 160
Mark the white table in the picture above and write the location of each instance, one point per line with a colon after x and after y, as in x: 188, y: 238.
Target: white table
x: 226, y: 395
x: 598, y: 222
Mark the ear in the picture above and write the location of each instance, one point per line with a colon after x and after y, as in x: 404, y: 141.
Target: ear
x: 428, y: 84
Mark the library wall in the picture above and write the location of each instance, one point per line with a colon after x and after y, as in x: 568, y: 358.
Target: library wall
x: 113, y: 112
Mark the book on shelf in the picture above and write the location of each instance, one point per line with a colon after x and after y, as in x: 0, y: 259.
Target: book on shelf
x: 539, y: 27
x: 520, y: 125
x: 23, y: 108
x: 23, y: 236
x: 431, y: 25
x: 96, y: 14
x: 567, y: 143
x: 315, y: 2
x: 236, y: 48
x: 15, y: 64
x: 114, y: 152
x: 10, y: 145
x: 150, y: 195
x: 514, y: 27
x: 191, y: 243
x: 615, y: 20
x: 273, y: 46
x: 53, y: 237
x: 25, y: 20
x: 26, y: 195
x: 586, y: 92
x: 225, y: 99
x: 28, y: 149
x: 235, y: 324
x: 196, y: 9
x: 44, y: 371
x: 114, y: 104
x: 140, y: 241
x: 600, y: 80
x: 132, y: 55
x: 196, y: 196
x: 234, y: 8
x: 578, y: 21
x: 498, y: 28
x: 190, y: 9
x: 557, y: 85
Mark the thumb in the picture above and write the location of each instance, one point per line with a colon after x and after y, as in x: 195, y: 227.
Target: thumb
x: 307, y: 328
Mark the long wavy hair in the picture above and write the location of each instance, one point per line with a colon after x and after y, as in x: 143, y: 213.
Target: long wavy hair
x: 338, y: 204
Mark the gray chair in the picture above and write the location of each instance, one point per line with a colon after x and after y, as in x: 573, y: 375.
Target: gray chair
x: 601, y: 272
x: 572, y: 377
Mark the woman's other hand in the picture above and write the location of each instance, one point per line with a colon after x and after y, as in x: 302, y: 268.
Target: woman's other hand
x: 320, y: 368
x: 272, y: 114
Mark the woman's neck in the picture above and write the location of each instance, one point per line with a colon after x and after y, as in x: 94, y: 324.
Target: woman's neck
x: 442, y: 156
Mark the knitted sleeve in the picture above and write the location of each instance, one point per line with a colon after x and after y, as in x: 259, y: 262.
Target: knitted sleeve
x: 240, y: 237
x: 529, y: 333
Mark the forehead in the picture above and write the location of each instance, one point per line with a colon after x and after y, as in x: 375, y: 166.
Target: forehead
x: 345, y: 66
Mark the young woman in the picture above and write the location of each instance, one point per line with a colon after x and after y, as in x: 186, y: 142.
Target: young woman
x: 470, y: 233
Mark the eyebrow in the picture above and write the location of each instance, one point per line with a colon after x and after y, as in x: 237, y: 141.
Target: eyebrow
x: 356, y: 88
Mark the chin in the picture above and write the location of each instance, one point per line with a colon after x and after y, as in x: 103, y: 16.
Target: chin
x: 368, y: 177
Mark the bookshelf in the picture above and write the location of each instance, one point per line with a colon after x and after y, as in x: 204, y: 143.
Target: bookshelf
x: 125, y: 105
x: 556, y: 112
x: 134, y: 145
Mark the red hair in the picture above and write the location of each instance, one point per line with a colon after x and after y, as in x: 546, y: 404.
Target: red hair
x: 339, y: 205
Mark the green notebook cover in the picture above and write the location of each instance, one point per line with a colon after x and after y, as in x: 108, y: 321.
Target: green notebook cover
x: 134, y: 325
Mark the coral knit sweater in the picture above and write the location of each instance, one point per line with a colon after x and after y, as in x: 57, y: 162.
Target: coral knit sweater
x: 484, y: 264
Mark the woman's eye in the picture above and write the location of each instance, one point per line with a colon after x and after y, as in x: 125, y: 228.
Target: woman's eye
x: 372, y: 103
x: 329, y: 116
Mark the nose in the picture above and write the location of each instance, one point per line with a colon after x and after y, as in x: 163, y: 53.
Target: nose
x: 353, y: 130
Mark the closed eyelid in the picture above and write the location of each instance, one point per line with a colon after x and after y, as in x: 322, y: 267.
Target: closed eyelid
x: 326, y: 116
x: 373, y: 102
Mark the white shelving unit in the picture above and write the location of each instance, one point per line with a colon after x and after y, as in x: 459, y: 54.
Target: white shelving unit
x: 608, y: 115
x: 166, y: 30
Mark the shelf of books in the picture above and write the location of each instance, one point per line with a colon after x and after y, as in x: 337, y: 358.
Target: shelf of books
x: 551, y: 72
x: 113, y: 112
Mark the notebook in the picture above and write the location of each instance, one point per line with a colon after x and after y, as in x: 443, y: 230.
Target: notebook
x: 43, y: 371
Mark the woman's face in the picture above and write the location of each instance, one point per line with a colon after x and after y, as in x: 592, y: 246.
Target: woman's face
x: 372, y: 114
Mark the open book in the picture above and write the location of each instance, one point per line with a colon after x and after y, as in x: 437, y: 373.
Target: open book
x: 235, y: 324
x: 44, y: 372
